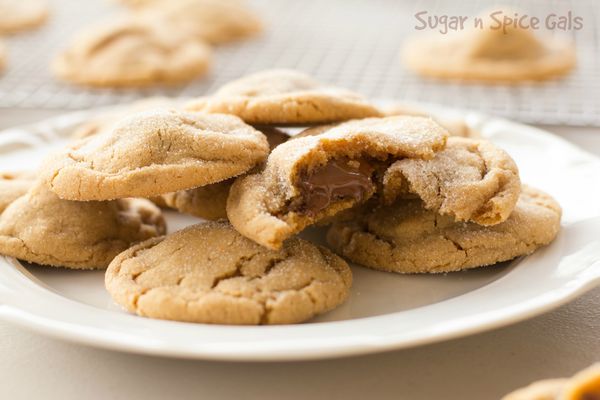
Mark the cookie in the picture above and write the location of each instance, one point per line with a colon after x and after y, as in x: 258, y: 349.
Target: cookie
x: 209, y: 273
x: 19, y: 15
x: 547, y: 389
x: 583, y: 386
x: 105, y: 121
x: 470, y: 180
x: 407, y: 238
x: 308, y: 179
x: 131, y: 52
x: 456, y: 125
x: 2, y: 56
x: 489, y: 55
x: 209, y: 202
x: 213, y: 21
x: 285, y: 97
x: 14, y: 185
x: 155, y: 152
x: 41, y: 228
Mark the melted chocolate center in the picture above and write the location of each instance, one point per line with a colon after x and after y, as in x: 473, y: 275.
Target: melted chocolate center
x: 336, y: 180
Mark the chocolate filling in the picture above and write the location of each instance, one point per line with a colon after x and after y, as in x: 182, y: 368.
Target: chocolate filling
x: 336, y: 180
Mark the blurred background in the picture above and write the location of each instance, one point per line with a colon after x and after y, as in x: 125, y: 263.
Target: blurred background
x: 349, y: 43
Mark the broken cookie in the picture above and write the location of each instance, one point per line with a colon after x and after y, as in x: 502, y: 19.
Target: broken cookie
x: 311, y: 178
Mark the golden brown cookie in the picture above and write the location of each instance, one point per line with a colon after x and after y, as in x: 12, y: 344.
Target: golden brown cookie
x: 585, y: 385
x: 456, y: 126
x: 407, y: 238
x: 19, y: 15
x: 490, y: 55
x: 155, y: 152
x: 14, y: 185
x: 3, y: 56
x: 213, y: 21
x: 41, y: 228
x: 470, y: 180
x: 210, y: 273
x: 131, y: 52
x: 308, y: 179
x: 284, y: 97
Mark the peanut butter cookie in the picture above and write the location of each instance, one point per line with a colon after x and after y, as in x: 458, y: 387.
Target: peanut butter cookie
x: 19, y: 15
x: 209, y: 202
x: 131, y: 52
x: 470, y: 180
x: 490, y: 55
x: 285, y: 97
x: 213, y: 21
x: 209, y: 273
x: 155, y: 152
x: 407, y: 238
x: 14, y: 185
x: 308, y: 179
x: 41, y: 228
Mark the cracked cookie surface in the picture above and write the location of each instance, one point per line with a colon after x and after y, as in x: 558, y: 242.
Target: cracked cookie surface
x: 214, y: 21
x: 209, y: 273
x: 41, y: 228
x: 311, y: 178
x: 18, y: 15
x: 14, y: 185
x: 407, y: 238
x: 470, y: 180
x: 131, y: 52
x: 285, y: 97
x: 155, y: 152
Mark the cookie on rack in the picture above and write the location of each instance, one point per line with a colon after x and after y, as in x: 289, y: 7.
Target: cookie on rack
x: 489, y: 55
x: 213, y: 21
x: 155, y: 152
x: 20, y: 15
x: 14, y: 185
x: 311, y: 178
x: 470, y: 180
x: 209, y: 273
x: 131, y: 52
x: 285, y: 97
x: 41, y: 228
x: 408, y: 238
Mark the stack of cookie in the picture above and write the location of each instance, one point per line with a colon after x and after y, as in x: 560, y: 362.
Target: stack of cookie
x: 397, y: 192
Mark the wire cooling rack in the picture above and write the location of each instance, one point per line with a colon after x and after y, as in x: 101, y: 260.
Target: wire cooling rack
x: 351, y: 43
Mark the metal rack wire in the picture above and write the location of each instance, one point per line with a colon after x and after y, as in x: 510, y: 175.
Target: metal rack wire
x: 350, y: 43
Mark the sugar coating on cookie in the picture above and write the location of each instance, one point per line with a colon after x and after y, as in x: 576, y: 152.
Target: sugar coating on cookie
x: 155, y: 152
x: 456, y: 125
x: 311, y: 178
x: 214, y: 21
x: 19, y: 15
x: 132, y: 52
x: 209, y: 273
x: 407, y: 238
x: 470, y: 180
x: 490, y: 55
x: 105, y: 121
x: 285, y: 97
x: 41, y: 228
x: 14, y: 185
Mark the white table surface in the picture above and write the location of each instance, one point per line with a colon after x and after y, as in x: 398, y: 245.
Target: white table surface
x: 481, y: 367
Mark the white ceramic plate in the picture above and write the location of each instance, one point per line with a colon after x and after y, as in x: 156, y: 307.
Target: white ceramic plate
x: 385, y: 311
